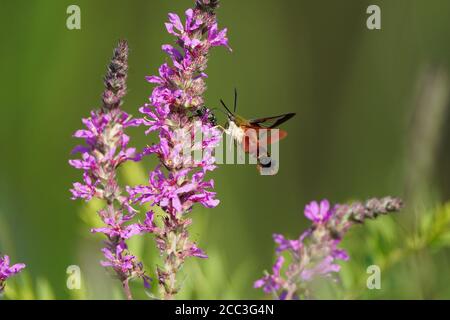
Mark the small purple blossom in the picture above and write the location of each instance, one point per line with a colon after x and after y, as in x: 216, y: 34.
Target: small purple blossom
x: 7, y: 271
x: 119, y: 259
x: 286, y: 244
x: 315, y: 254
x: 218, y: 37
x: 149, y: 225
x: 183, y: 32
x: 85, y: 191
x: 324, y: 267
x: 272, y: 282
x: 318, y: 213
x: 115, y: 228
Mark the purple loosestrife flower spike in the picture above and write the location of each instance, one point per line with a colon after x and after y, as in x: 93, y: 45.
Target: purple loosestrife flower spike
x: 7, y: 271
x: 315, y: 253
x: 178, y: 182
x: 105, y: 149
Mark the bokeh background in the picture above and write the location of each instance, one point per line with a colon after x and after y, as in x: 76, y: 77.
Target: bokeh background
x: 371, y: 120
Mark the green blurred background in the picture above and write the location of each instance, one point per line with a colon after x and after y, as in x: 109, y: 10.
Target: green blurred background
x: 368, y: 124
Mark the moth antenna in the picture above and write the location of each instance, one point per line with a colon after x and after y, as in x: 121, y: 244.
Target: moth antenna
x: 225, y: 106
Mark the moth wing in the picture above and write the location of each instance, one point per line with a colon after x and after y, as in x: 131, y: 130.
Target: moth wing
x: 256, y: 138
x: 271, y: 122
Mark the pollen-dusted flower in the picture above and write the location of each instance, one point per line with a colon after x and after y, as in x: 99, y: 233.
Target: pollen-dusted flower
x: 179, y: 182
x: 7, y: 271
x: 316, y: 253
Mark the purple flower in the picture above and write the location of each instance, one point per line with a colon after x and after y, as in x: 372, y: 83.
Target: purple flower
x: 116, y: 228
x: 184, y: 33
x: 105, y: 149
x: 124, y: 264
x: 165, y: 75
x: 318, y: 213
x: 315, y: 253
x: 323, y: 268
x: 118, y: 260
x: 216, y: 37
x: 149, y: 225
x: 179, y: 182
x: 87, y: 162
x: 272, y: 282
x: 340, y: 254
x: 84, y: 191
x: 194, y: 251
x: 7, y: 271
x: 285, y: 244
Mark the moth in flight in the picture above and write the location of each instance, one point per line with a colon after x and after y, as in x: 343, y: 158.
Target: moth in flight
x: 255, y: 135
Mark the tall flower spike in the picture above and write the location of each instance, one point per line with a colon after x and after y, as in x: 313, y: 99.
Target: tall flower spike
x: 105, y: 149
x: 178, y: 182
x: 116, y: 77
x: 7, y: 271
x: 315, y: 253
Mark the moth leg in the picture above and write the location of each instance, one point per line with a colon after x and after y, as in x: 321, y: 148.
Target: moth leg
x: 222, y: 128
